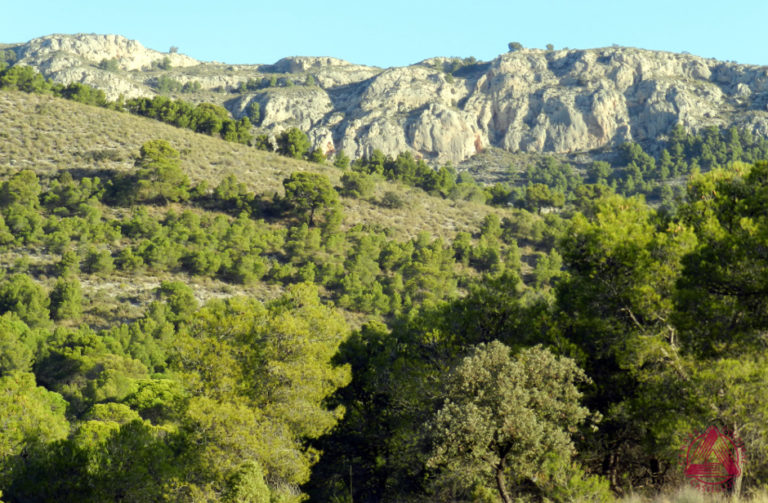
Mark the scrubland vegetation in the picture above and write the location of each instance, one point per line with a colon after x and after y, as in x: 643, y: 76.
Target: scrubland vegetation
x: 187, y: 318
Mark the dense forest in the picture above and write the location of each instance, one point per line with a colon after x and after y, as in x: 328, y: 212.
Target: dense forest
x: 562, y: 351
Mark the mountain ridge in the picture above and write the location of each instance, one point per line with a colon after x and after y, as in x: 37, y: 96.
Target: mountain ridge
x: 441, y: 109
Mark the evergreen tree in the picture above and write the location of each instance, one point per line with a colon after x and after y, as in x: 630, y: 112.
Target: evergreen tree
x: 159, y: 174
x: 309, y: 193
x: 293, y: 143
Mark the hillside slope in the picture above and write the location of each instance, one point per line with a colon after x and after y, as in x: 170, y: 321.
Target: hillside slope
x: 50, y: 134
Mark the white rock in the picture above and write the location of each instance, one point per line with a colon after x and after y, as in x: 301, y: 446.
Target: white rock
x: 529, y: 100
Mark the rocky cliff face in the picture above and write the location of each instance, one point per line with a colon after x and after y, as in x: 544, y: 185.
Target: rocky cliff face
x: 75, y: 58
x: 530, y: 100
x: 55, y: 52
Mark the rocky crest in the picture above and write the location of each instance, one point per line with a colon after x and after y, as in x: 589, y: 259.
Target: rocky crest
x: 75, y: 58
x: 444, y: 109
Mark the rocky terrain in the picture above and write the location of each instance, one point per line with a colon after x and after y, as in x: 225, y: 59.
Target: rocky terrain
x: 444, y: 109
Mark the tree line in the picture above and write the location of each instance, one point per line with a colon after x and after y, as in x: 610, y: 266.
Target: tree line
x: 635, y: 327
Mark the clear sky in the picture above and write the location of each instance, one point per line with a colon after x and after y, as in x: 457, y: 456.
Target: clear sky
x: 401, y: 32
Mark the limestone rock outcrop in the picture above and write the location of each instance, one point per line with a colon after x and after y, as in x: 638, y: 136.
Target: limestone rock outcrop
x: 534, y: 101
x: 443, y: 109
x: 56, y: 52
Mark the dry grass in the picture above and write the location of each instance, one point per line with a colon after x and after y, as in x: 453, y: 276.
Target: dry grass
x: 50, y: 134
x: 123, y: 298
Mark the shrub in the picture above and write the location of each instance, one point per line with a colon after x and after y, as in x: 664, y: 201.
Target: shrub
x: 66, y: 299
x: 293, y: 143
x: 98, y: 262
x: 341, y: 160
x: 180, y: 300
x: 21, y: 295
x: 159, y: 173
x: 392, y: 200
x: 356, y: 184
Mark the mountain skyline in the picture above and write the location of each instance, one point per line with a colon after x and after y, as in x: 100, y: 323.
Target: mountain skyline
x: 403, y: 33
x: 558, y: 101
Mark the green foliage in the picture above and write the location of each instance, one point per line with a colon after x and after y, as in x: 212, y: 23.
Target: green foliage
x: 84, y: 94
x: 249, y: 382
x: 233, y: 194
x: 720, y: 307
x: 32, y: 416
x: 19, y: 203
x: 309, y: 193
x: 502, y: 416
x: 21, y: 295
x: 341, y: 160
x: 293, y: 143
x: 253, y: 111
x: 599, y: 171
x: 23, y: 78
x: 615, y: 304
x: 203, y: 118
x: 565, y: 481
x: 23, y: 188
x: 742, y: 410
x: 192, y: 87
x: 664, y: 309
x: 405, y: 168
x: 559, y: 178
x: 18, y: 345
x: 539, y: 196
x: 252, y: 85
x: 110, y: 65
x: 167, y: 85
x: 163, y: 64
x: 98, y: 261
x: 317, y: 156
x: 637, y: 265
x: 357, y: 185
x: 65, y: 196
x: 237, y: 131
x: 392, y: 200
x: 547, y: 268
x: 66, y: 299
x: 160, y: 401
x: 87, y: 368
x: 403, y: 372
x: 468, y: 191
x: 246, y: 484
x: 7, y: 57
x: 180, y: 300
x: 159, y: 176
x: 263, y: 143
x: 108, y: 461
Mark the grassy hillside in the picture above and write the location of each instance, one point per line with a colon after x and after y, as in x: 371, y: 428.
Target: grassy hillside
x: 49, y: 134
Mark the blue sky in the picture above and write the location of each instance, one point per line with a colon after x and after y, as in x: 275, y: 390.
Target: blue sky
x: 401, y: 32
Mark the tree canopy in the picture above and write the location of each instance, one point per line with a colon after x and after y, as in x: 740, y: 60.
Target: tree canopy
x: 309, y: 193
x: 503, y: 415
